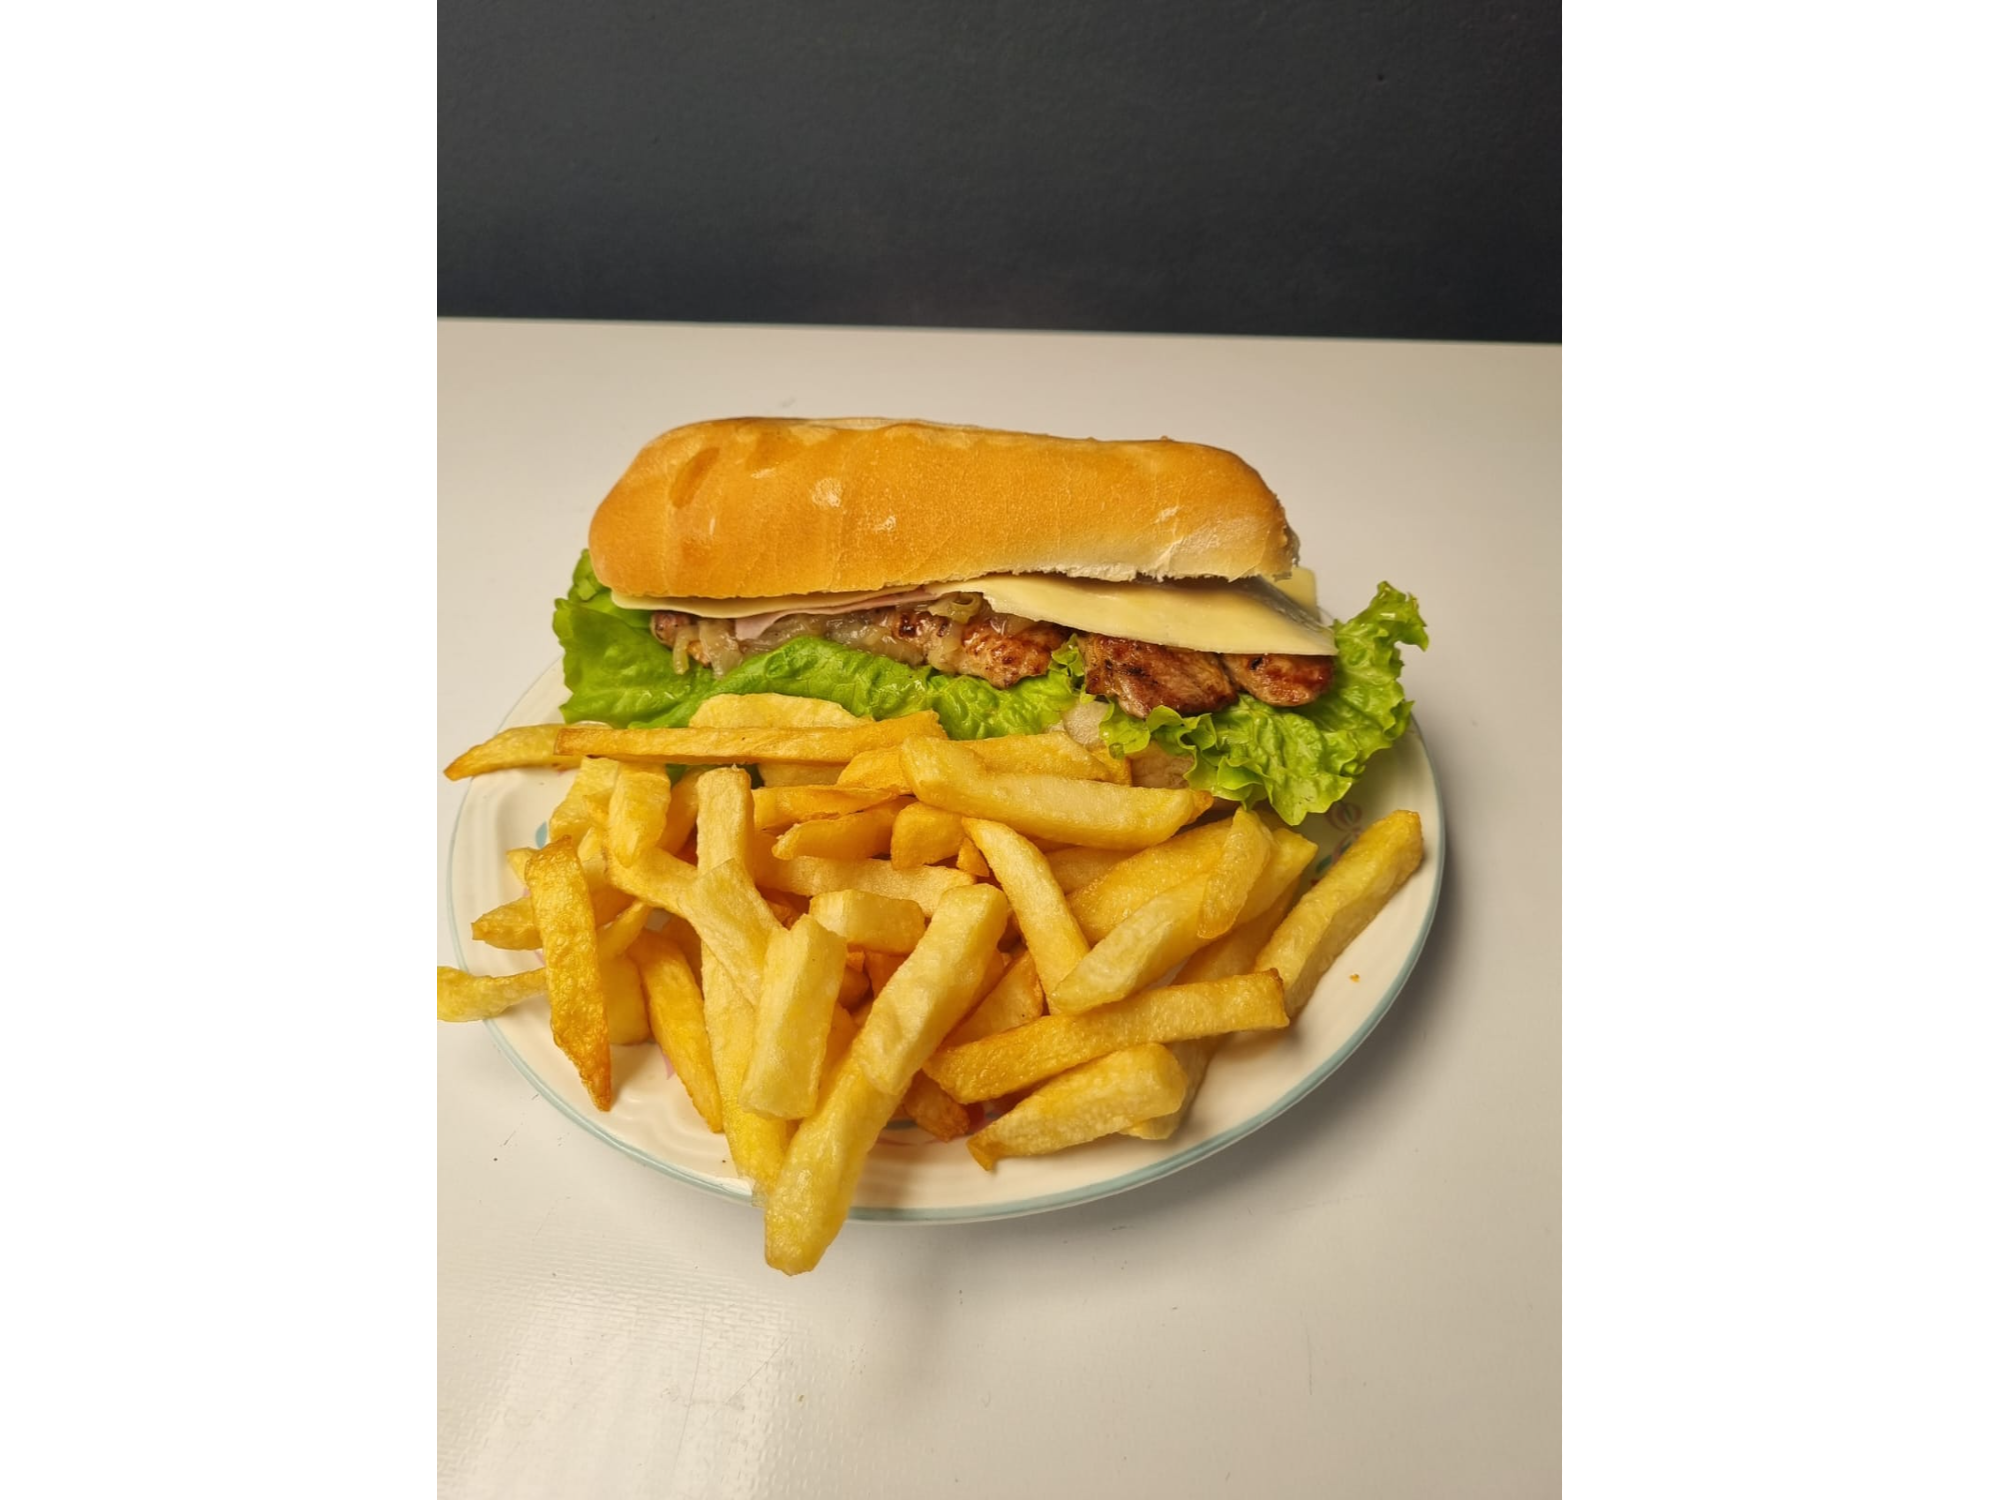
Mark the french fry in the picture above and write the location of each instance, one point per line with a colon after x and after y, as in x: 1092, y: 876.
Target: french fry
x: 688, y: 747
x: 656, y: 878
x: 594, y: 872
x: 815, y: 1186
x: 673, y: 1006
x: 882, y: 769
x: 932, y: 990
x: 1097, y: 814
x: 636, y: 816
x: 681, y: 810
x: 782, y: 806
x: 569, y: 946
x: 735, y: 924
x: 1047, y: 924
x: 863, y: 919
x: 1097, y: 1099
x: 1194, y: 1058
x: 1130, y: 884
x: 1010, y: 1060
x: 1135, y: 952
x: 616, y: 936
x: 513, y: 925
x: 881, y: 968
x: 854, y: 987
x: 770, y: 711
x: 1245, y: 853
x: 843, y: 1026
x: 1234, y: 953
x: 1346, y: 899
x: 809, y: 875
x: 1117, y: 768
x: 1050, y: 754
x: 625, y: 1022
x: 723, y: 819
x: 685, y: 938
x: 1014, y: 1001
x: 798, y: 775
x: 586, y: 804
x: 802, y: 972
x: 997, y: 964
x: 856, y: 835
x: 1291, y: 852
x: 973, y: 862
x: 1076, y: 868
x: 924, y: 836
x: 941, y: 1116
x: 757, y: 1143
x: 480, y: 997
x: 511, y: 749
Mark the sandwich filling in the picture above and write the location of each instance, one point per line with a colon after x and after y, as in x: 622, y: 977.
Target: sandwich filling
x: 963, y: 635
x: 1207, y: 679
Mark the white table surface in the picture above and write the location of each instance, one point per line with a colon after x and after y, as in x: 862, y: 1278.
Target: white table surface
x: 1361, y: 1299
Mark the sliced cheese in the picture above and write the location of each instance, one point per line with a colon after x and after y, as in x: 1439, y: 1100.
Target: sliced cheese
x: 1251, y: 615
x: 1248, y: 616
x: 1301, y: 586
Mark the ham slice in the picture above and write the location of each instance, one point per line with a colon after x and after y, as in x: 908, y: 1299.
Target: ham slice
x: 749, y: 627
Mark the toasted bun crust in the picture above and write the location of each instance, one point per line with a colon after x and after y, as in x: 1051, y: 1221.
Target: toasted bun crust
x: 759, y: 506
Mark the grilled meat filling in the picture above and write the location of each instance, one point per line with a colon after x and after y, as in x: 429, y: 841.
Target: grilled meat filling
x: 981, y: 647
x: 1005, y: 649
x: 1140, y: 677
x: 1281, y: 680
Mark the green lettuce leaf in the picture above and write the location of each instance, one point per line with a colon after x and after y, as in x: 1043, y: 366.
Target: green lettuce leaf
x: 586, y: 592
x: 863, y: 683
x: 617, y: 672
x: 1300, y: 760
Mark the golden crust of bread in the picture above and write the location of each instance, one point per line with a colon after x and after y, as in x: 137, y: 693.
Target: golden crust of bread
x: 754, y: 506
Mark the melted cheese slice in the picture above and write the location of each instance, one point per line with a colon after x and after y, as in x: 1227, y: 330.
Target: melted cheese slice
x: 1301, y: 586
x: 1251, y: 615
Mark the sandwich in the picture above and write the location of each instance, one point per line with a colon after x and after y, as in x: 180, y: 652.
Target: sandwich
x: 1140, y: 596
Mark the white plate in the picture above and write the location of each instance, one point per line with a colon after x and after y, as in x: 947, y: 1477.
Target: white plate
x: 909, y: 1177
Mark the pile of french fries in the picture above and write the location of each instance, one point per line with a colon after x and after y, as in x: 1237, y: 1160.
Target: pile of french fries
x: 973, y: 935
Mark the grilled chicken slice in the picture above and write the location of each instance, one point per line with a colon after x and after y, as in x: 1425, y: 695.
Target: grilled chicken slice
x: 1141, y: 677
x: 1280, y: 680
x: 1003, y: 660
x: 981, y: 649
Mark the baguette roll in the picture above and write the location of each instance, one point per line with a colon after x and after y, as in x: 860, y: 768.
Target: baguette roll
x: 763, y: 507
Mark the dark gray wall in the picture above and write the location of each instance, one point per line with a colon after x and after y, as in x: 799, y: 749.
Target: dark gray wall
x: 1371, y: 170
